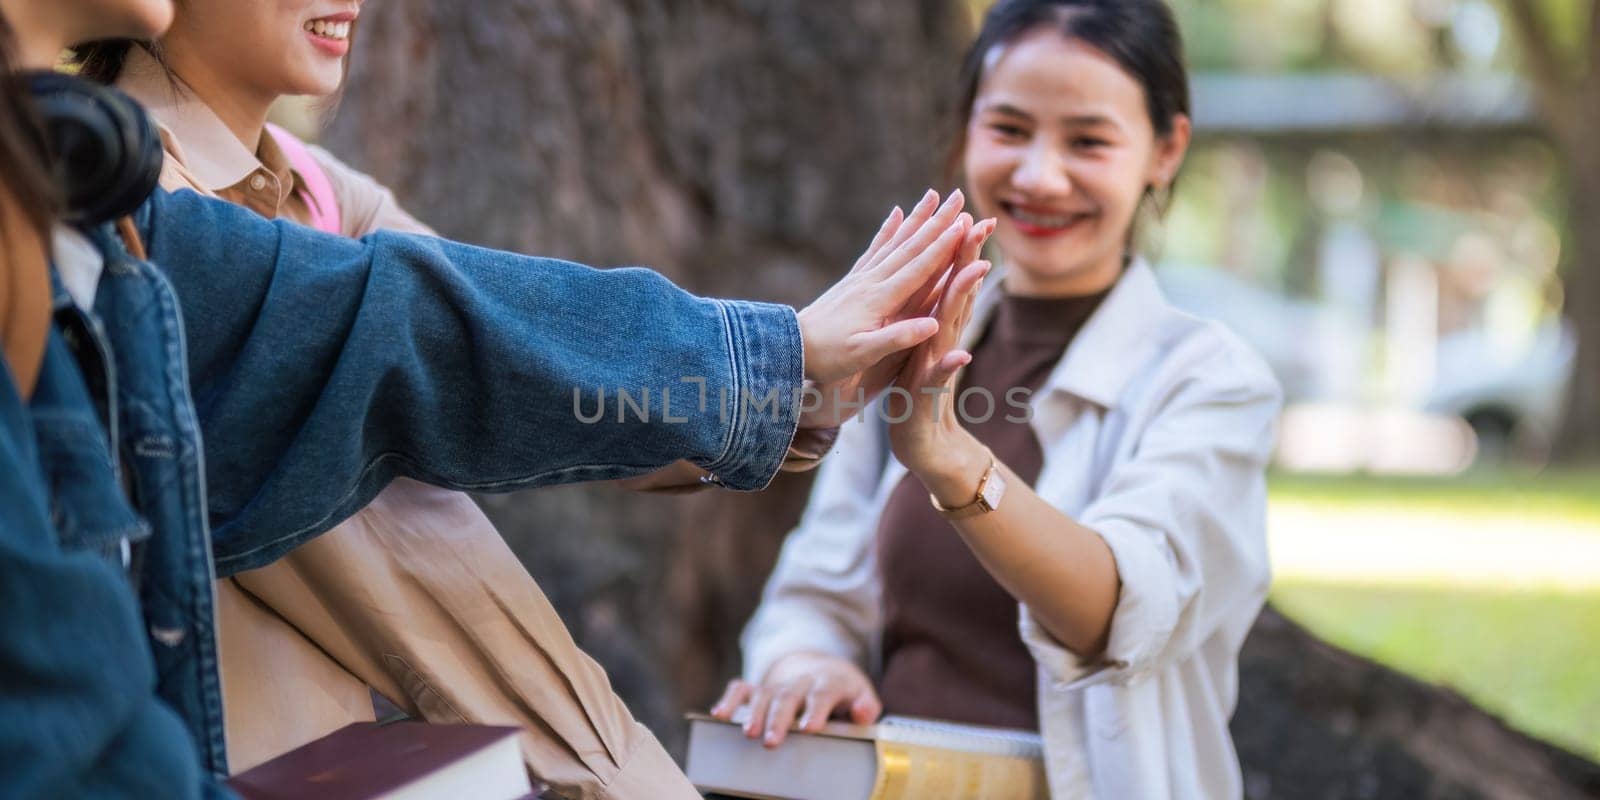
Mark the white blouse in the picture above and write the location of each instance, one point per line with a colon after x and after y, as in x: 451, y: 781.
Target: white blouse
x: 1156, y: 428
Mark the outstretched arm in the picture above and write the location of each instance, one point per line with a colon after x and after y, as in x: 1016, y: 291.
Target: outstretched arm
x: 323, y: 367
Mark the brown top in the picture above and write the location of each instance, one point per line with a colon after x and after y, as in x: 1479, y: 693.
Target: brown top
x: 204, y: 155
x: 951, y: 647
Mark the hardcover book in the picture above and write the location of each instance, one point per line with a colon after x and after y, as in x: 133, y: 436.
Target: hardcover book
x: 395, y: 761
x: 899, y: 758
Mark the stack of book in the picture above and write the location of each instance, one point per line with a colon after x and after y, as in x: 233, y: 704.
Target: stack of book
x: 900, y: 758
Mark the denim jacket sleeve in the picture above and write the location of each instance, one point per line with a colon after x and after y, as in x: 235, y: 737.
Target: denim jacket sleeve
x: 323, y: 367
x: 79, y: 715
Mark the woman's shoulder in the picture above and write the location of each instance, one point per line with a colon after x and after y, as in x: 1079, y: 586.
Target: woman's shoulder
x: 338, y: 171
x: 1210, y: 343
x: 1144, y: 346
x: 366, y: 204
x: 1201, y: 354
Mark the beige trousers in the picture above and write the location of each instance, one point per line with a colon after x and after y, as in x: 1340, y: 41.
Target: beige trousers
x: 418, y: 597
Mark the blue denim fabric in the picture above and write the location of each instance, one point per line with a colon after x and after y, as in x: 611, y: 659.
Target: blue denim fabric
x: 323, y: 367
x: 97, y: 695
x: 320, y: 368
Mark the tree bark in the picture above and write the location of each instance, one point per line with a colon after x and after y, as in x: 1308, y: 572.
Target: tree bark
x: 1579, y: 439
x: 744, y: 148
x: 1569, y: 101
x: 1317, y: 723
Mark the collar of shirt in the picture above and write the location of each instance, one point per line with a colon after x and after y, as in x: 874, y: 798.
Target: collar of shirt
x: 78, y: 263
x: 1103, y: 356
x: 204, y: 146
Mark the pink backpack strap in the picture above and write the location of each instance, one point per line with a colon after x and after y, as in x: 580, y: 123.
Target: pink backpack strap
x: 318, y: 191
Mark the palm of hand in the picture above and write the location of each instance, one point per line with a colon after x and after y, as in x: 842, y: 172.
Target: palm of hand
x: 905, y: 309
x: 923, y: 416
x: 880, y: 309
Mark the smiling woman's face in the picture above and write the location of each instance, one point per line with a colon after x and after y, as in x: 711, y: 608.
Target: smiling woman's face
x: 269, y: 47
x: 1061, y: 149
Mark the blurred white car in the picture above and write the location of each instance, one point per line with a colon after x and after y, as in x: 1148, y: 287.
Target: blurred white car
x: 1512, y: 400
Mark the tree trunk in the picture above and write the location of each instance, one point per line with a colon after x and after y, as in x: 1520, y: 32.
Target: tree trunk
x: 1568, y: 95
x: 744, y: 149
x: 1579, y: 439
x: 1317, y: 723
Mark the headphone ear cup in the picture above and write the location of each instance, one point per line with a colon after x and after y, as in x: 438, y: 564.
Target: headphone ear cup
x: 138, y: 172
x: 105, y: 151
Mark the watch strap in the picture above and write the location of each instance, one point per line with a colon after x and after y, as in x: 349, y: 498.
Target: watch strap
x: 980, y: 504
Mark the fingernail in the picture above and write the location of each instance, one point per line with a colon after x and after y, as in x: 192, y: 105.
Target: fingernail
x: 928, y: 198
x: 957, y: 195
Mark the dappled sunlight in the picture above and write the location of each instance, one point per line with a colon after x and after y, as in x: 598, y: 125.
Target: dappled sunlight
x: 1432, y: 548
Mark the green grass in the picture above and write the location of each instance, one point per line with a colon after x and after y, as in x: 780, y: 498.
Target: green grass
x: 1531, y: 657
x: 1571, y: 496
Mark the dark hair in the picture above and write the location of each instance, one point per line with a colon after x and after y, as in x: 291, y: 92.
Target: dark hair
x: 1140, y: 35
x: 24, y: 174
x: 102, y: 61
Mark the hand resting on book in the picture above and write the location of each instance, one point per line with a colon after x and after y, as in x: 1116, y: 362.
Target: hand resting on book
x: 808, y: 685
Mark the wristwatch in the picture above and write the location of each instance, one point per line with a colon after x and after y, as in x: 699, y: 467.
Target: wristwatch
x: 991, y: 488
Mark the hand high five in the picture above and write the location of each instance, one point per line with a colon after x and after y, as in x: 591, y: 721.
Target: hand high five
x: 858, y: 334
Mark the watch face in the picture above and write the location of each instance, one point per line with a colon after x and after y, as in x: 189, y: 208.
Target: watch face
x: 993, y: 490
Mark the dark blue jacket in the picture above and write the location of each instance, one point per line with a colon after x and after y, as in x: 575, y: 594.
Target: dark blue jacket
x: 315, y: 369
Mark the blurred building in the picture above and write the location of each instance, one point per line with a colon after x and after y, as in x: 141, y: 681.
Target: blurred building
x: 1390, y: 246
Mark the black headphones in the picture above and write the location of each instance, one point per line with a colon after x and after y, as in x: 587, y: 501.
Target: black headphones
x: 104, y: 150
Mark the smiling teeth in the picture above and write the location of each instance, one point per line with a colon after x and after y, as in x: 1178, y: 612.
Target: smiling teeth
x: 1043, y: 220
x: 329, y: 30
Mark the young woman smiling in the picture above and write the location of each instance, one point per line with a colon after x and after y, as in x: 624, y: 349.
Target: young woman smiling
x: 1090, y: 571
